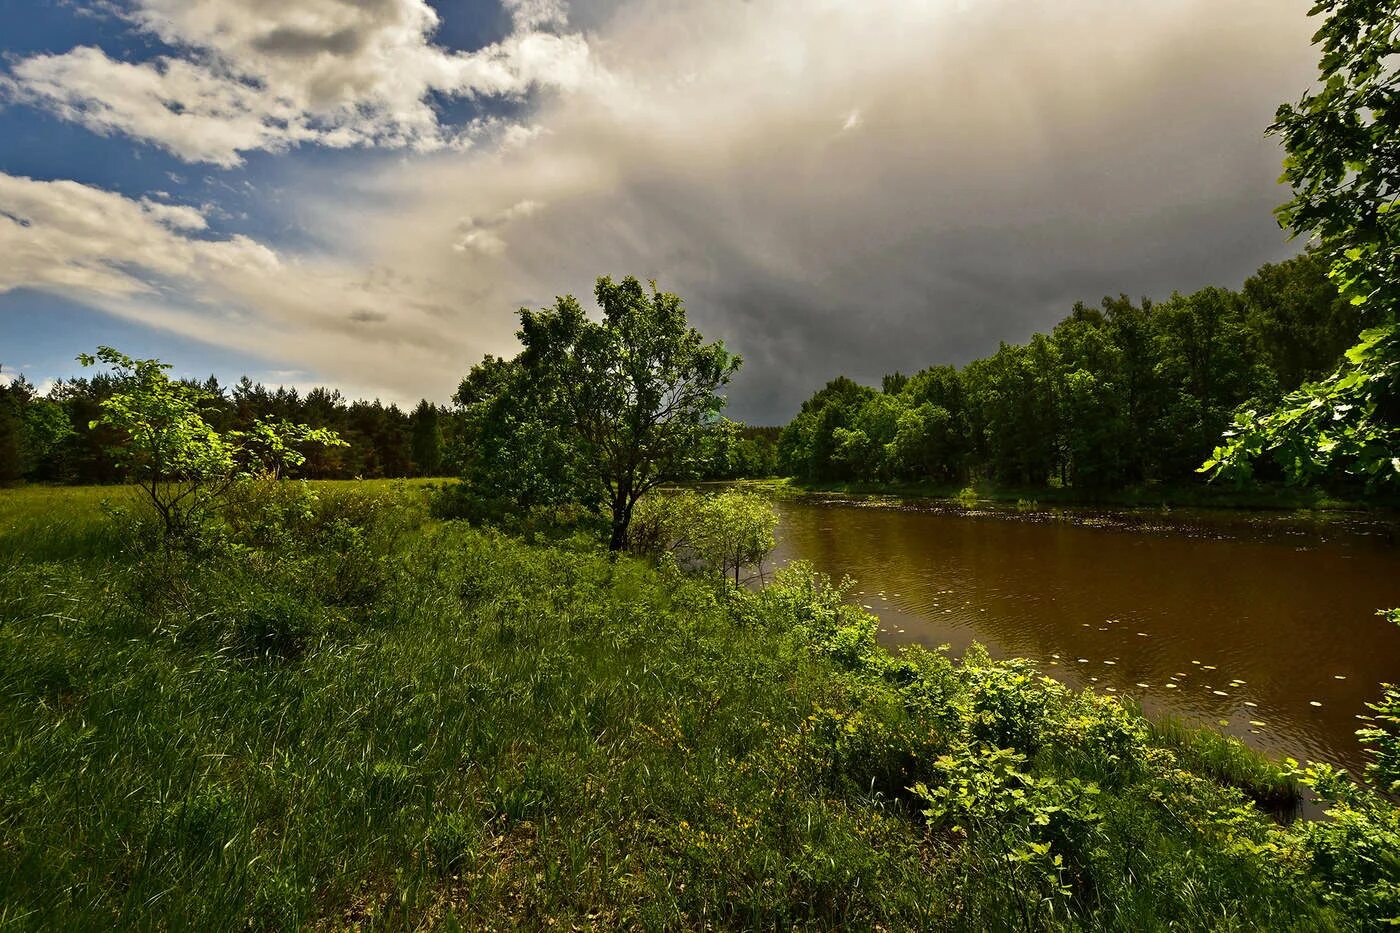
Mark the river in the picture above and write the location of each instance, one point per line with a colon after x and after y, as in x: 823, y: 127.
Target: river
x: 1261, y: 624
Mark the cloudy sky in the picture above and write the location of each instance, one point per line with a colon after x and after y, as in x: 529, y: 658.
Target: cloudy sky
x: 362, y: 192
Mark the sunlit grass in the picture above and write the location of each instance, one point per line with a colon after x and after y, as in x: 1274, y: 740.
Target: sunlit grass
x: 1230, y: 761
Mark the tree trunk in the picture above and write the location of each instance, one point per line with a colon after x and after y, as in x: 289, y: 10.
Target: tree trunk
x: 621, y: 520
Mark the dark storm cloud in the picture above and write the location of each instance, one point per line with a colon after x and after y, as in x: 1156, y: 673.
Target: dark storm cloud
x: 859, y: 188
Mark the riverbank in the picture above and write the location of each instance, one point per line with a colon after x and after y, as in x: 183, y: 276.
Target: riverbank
x: 1203, y: 496
x: 341, y: 713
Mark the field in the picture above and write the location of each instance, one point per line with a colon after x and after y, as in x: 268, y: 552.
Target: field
x: 337, y: 711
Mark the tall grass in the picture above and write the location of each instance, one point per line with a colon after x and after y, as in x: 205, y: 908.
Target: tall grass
x: 353, y: 715
x: 1230, y: 761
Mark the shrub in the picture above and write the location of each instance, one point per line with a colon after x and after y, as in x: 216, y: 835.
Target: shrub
x: 275, y: 624
x: 718, y: 534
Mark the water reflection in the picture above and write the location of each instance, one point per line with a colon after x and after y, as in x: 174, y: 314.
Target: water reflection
x: 1267, y: 628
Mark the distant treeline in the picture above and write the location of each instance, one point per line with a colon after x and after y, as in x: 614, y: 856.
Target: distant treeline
x: 1116, y: 395
x: 48, y: 438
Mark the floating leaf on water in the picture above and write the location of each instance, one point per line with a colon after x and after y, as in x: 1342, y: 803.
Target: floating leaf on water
x: 1223, y: 722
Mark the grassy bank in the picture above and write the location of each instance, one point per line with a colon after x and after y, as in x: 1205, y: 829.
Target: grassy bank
x: 1153, y: 496
x: 340, y: 712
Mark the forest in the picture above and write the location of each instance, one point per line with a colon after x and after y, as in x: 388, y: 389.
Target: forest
x: 51, y: 438
x: 1120, y: 394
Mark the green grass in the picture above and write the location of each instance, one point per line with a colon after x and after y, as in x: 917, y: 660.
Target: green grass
x: 341, y: 713
x: 1229, y: 761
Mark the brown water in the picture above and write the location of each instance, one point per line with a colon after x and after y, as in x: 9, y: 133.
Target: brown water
x: 1231, y: 619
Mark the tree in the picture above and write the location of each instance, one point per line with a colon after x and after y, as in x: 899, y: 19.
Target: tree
x: 13, y: 401
x: 47, y: 432
x: 1206, y: 367
x: 1303, y: 326
x: 1090, y: 400
x: 427, y: 439
x: 1011, y: 394
x: 1343, y: 163
x: 927, y: 444
x: 176, y: 458
x: 600, y: 412
x: 271, y: 447
x: 181, y: 464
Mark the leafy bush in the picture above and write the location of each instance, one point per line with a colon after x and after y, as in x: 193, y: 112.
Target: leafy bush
x: 276, y: 624
x: 721, y: 534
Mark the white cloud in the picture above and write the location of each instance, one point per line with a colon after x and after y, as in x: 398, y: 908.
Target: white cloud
x: 153, y: 263
x: 63, y: 236
x: 1011, y: 156
x: 271, y: 74
x: 481, y: 234
x: 533, y: 14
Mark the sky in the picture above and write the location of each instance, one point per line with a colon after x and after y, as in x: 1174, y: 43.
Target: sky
x: 362, y: 193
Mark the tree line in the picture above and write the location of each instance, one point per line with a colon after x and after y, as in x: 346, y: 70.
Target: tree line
x: 59, y: 436
x: 1115, y: 395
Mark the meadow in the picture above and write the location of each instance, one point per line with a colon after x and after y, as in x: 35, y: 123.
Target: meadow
x: 336, y: 711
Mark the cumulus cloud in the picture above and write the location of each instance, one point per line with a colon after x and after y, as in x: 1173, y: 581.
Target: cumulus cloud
x: 155, y: 263
x: 482, y: 233
x: 833, y: 186
x: 68, y: 237
x: 272, y: 74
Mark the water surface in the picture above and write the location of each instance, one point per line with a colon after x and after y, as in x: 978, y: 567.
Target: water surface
x: 1263, y: 625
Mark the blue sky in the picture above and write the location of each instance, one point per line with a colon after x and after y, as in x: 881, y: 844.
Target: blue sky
x: 362, y: 192
x: 41, y: 332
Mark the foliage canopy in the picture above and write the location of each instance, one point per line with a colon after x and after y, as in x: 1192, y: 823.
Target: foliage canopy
x: 1343, y: 163
x: 595, y: 412
x: 182, y: 465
